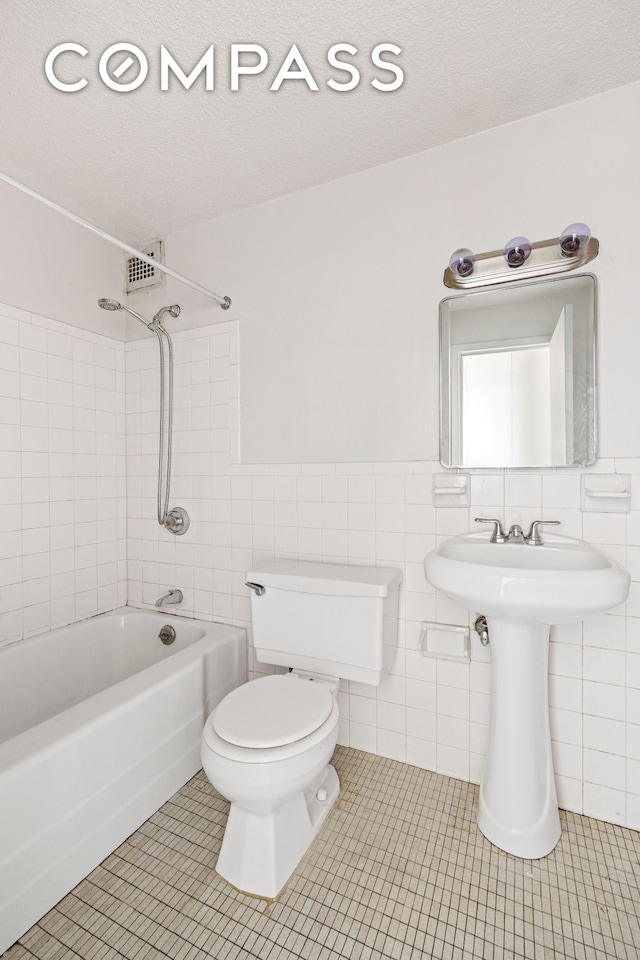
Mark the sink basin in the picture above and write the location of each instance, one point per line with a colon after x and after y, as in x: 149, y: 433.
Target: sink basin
x: 563, y: 579
x: 522, y: 589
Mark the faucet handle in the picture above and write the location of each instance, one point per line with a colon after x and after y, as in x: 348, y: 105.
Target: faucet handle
x: 533, y: 537
x: 498, y: 535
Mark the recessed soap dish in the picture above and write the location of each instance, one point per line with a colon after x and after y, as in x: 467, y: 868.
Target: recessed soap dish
x: 445, y: 642
x: 606, y: 493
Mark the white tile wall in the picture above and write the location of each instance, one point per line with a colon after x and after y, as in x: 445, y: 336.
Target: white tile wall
x: 430, y: 713
x: 62, y: 474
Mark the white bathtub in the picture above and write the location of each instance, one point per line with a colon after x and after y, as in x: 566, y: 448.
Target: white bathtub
x: 100, y: 724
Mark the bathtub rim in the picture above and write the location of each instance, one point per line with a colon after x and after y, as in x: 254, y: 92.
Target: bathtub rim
x: 21, y: 748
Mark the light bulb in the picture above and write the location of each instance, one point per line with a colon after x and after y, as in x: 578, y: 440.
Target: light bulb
x: 461, y: 262
x: 573, y: 238
x: 516, y: 251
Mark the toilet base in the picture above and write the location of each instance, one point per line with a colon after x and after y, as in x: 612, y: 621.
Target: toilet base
x: 260, y: 851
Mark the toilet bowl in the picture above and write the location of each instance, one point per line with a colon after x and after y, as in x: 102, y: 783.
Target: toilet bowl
x: 266, y: 748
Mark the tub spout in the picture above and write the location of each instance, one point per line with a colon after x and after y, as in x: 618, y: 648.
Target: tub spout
x: 174, y: 596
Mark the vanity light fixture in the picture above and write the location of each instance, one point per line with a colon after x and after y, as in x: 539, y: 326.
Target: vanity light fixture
x: 461, y: 262
x: 574, y: 238
x: 517, y: 251
x: 524, y: 260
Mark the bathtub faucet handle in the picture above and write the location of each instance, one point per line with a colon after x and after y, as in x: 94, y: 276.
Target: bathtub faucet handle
x: 174, y: 596
x: 257, y: 588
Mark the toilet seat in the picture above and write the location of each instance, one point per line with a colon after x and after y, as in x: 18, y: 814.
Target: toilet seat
x: 272, y: 711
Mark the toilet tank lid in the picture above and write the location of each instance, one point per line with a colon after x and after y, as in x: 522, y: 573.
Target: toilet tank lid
x: 335, y: 579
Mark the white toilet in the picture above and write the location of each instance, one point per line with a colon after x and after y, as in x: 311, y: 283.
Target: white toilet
x: 266, y: 747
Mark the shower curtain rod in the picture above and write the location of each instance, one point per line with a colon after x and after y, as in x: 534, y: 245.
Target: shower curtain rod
x: 225, y: 302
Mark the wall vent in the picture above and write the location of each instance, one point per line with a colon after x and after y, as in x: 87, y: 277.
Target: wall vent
x: 140, y: 275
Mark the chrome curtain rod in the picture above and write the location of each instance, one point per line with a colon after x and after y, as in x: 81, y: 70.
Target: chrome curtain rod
x: 225, y: 302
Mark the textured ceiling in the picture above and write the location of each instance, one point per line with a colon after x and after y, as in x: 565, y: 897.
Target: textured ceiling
x: 142, y: 163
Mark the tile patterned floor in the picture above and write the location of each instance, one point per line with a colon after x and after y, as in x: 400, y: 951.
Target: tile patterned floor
x: 399, y: 871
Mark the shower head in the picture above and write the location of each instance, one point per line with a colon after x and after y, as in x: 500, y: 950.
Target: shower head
x: 108, y: 304
x: 174, y: 310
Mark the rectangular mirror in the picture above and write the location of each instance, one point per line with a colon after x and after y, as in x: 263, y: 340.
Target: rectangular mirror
x: 517, y: 375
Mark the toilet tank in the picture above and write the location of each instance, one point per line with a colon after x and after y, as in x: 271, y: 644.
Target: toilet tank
x: 326, y: 618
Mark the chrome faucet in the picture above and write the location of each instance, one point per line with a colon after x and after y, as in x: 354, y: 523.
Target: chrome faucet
x: 174, y: 596
x: 516, y: 533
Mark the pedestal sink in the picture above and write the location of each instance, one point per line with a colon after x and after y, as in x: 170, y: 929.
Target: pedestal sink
x: 522, y: 589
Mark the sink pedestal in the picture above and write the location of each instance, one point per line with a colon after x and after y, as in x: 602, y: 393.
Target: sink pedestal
x: 518, y: 810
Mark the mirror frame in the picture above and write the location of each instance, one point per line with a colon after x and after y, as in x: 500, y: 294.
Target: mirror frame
x: 588, y: 454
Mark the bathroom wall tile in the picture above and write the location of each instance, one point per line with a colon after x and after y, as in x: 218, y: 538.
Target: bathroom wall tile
x: 633, y: 777
x: 421, y: 724
x: 391, y: 744
x: 361, y: 546
x: 421, y: 695
x: 633, y: 741
x: 633, y: 670
x: 418, y: 608
x: 310, y: 488
x: 566, y: 726
x: 567, y: 633
x: 565, y: 659
x: 487, y: 490
x: 36, y: 618
x: 362, y: 710
x: 604, y: 803
x: 606, y: 666
x: 421, y: 753
x: 453, y: 732
x: 605, y: 631
x: 389, y: 547
x: 604, y: 769
x: 565, y: 693
x: 633, y: 601
x: 393, y: 688
x: 389, y: 489
x: 451, y: 521
x: 417, y: 546
x: 603, y: 700
x: 334, y: 515
x: 523, y: 490
x: 419, y: 667
x: 453, y: 761
x: 479, y: 707
x: 560, y: 491
x: 607, y: 736
x: 448, y: 612
x: 362, y: 737
x: 569, y: 793
x: 479, y: 739
x: 605, y: 528
x: 452, y: 674
x: 334, y: 488
x: 567, y: 760
x: 570, y: 520
x: 452, y: 702
x: 633, y: 705
x: 391, y: 717
x: 418, y: 490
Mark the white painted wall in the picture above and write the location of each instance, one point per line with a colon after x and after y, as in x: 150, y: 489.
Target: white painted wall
x: 338, y: 287
x: 52, y: 267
